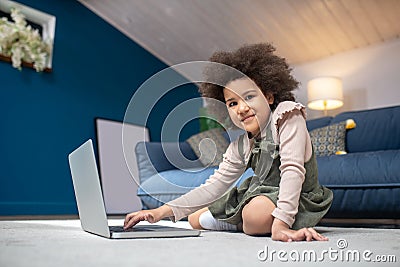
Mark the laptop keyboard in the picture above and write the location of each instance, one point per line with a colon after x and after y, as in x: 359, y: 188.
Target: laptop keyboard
x: 120, y: 229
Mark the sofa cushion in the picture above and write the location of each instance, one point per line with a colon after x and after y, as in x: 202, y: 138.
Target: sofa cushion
x: 372, y: 203
x: 318, y: 123
x: 209, y: 146
x: 154, y: 157
x: 360, y: 170
x: 168, y: 185
x: 329, y: 140
x: 377, y: 129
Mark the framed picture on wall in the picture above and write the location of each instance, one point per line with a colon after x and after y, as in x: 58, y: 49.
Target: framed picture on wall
x: 117, y: 164
x: 44, y: 23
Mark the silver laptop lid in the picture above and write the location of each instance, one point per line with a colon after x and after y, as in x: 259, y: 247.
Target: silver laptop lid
x: 87, y: 189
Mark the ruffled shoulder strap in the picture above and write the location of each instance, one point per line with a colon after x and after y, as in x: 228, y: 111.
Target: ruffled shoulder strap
x: 280, y: 113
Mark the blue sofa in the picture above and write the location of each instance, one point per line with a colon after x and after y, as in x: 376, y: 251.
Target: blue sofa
x: 365, y: 181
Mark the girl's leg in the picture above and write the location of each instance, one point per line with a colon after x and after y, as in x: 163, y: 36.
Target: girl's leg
x: 203, y: 219
x: 256, y: 216
x: 194, y: 218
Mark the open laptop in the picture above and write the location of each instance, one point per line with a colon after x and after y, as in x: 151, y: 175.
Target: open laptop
x: 89, y: 199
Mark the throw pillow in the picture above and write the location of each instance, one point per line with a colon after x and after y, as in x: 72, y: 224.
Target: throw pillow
x: 209, y: 146
x: 331, y: 139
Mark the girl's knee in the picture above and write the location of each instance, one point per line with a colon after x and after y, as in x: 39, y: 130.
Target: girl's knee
x: 256, y: 216
x: 194, y: 219
x: 257, y: 225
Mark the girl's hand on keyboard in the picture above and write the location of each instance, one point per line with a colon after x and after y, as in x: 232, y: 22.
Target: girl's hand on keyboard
x: 152, y: 216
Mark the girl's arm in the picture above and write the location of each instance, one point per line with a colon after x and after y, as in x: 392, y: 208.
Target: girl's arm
x: 228, y: 172
x: 230, y: 169
x: 295, y: 149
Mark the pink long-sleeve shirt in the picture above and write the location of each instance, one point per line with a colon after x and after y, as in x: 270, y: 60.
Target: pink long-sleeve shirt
x: 290, y: 133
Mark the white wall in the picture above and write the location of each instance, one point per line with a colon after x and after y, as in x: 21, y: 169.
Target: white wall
x: 371, y: 77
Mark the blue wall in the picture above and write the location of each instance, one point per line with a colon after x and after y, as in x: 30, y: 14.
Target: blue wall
x: 44, y: 116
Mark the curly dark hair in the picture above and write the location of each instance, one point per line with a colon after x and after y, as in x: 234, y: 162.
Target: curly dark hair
x: 270, y: 72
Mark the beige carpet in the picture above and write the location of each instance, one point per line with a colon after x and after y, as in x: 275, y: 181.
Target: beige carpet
x: 63, y: 243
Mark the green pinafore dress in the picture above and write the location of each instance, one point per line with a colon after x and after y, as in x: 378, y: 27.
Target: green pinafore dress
x: 315, y: 200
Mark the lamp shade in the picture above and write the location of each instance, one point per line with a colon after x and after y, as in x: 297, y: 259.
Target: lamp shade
x: 325, y: 93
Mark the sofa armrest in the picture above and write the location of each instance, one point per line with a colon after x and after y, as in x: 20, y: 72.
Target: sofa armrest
x: 155, y: 157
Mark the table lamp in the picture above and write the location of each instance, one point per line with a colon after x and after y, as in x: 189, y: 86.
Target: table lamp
x: 325, y: 93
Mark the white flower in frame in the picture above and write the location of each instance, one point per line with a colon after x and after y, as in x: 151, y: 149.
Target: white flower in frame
x: 22, y: 43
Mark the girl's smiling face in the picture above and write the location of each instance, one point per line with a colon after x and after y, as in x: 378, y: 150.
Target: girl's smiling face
x: 248, y: 107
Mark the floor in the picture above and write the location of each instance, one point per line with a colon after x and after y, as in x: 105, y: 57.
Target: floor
x: 63, y: 243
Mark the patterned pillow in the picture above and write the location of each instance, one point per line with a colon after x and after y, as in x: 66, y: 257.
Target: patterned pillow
x: 330, y: 139
x: 209, y: 146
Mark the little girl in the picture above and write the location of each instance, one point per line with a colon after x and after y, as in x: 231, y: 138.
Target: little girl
x: 283, y: 198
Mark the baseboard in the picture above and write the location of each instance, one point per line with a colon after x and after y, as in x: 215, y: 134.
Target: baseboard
x: 38, y: 217
x: 367, y: 223
x: 37, y: 208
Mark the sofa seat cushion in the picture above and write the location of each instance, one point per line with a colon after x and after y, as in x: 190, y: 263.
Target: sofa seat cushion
x: 168, y: 185
x: 368, y: 203
x: 368, y: 169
